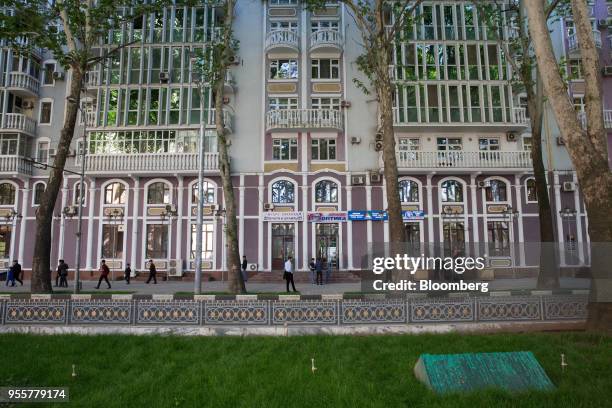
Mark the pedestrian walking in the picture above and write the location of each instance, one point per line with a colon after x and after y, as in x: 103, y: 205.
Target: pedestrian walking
x: 245, y: 274
x: 62, y: 271
x: 104, y: 271
x: 10, y: 277
x: 319, y: 270
x: 127, y: 273
x: 313, y: 270
x: 152, y: 272
x: 17, y: 271
x: 288, y: 275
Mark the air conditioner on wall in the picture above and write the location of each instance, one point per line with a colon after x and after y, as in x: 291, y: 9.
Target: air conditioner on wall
x: 52, y: 152
x: 234, y: 60
x: 568, y: 186
x: 482, y: 184
x: 511, y: 136
x: 375, y: 177
x: 602, y: 22
x: 268, y: 206
x: 357, y: 180
x: 355, y: 140
x: 27, y: 105
x: 164, y: 77
x: 175, y: 267
x: 252, y: 267
x: 58, y: 75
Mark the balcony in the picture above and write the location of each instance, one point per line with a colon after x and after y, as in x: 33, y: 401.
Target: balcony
x: 227, y: 119
x: 149, y: 163
x: 410, y: 119
x: 15, y: 165
x: 282, y: 41
x: 460, y: 160
x: 18, y: 122
x: 607, y: 114
x: 326, y: 40
x: 23, y: 85
x: 302, y: 119
x: 574, y: 47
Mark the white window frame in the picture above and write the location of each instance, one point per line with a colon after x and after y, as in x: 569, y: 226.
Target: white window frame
x: 275, y: 63
x: 74, y: 194
x: 488, y: 144
x: 322, y: 103
x: 277, y: 25
x: 291, y: 141
x: 447, y: 145
x: 40, y: 112
x: 527, y: 200
x: 38, y: 143
x: 43, y: 70
x: 34, y: 203
x: 333, y: 63
x: 274, y: 103
x: 330, y: 142
x: 317, y: 25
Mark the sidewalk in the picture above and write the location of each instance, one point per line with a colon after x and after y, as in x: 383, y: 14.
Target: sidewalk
x: 172, y: 287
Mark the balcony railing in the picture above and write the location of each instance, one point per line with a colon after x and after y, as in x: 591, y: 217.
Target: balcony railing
x: 24, y: 82
x: 572, y: 41
x: 461, y: 159
x: 15, y: 165
x: 19, y: 122
x: 227, y: 119
x: 304, y: 119
x: 326, y: 38
x: 607, y: 114
x: 409, y: 117
x: 149, y: 163
x: 282, y: 39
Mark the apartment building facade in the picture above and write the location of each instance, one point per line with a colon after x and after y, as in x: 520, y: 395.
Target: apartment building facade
x: 305, y: 156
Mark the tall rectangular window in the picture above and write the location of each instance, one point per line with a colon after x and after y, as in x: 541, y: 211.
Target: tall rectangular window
x: 48, y: 74
x: 284, y: 149
x: 323, y: 149
x: 157, y: 241
x: 112, y: 241
x: 325, y: 68
x: 283, y: 69
x: 207, y: 241
x: 42, y: 152
x: 5, y: 240
x: 45, y: 113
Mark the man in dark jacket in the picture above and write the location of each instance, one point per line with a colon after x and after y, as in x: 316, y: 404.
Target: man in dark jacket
x: 104, y: 271
x: 17, y: 272
x: 319, y: 270
x: 245, y: 274
x: 127, y: 273
x: 152, y: 272
x: 62, y: 272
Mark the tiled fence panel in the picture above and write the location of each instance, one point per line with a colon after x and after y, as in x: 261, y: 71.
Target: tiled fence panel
x: 300, y: 312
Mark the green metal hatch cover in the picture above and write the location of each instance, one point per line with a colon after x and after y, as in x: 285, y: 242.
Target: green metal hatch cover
x: 515, y: 371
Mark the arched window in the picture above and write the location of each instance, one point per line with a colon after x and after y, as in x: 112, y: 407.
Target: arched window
x: 283, y: 192
x: 532, y: 192
x: 7, y: 194
x: 208, y: 190
x: 115, y: 193
x: 326, y: 191
x: 496, y: 191
x: 409, y: 191
x: 158, y: 193
x: 451, y: 191
x: 39, y: 188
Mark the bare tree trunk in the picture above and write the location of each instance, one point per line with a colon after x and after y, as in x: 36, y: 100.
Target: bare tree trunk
x: 41, y: 262
x: 385, y: 100
x: 587, y: 149
x: 232, y: 253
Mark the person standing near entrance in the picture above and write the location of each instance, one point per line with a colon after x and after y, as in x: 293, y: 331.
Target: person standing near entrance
x: 127, y: 273
x: 17, y: 272
x: 104, y: 271
x: 319, y: 270
x: 152, y: 272
x: 62, y: 272
x: 328, y: 265
x: 313, y: 269
x: 288, y: 275
x: 245, y: 275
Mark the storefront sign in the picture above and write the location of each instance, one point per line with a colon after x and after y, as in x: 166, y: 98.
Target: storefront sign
x: 283, y: 216
x: 338, y: 216
x: 380, y: 215
x: 497, y: 208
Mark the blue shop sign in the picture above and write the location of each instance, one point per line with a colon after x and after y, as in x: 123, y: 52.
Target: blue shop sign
x: 380, y: 215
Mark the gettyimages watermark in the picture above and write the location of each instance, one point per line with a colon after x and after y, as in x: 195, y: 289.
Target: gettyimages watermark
x: 482, y: 267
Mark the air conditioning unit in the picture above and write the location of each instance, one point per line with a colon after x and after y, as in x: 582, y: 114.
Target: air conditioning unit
x: 355, y: 140
x: 27, y: 105
x: 171, y: 208
x: 345, y: 104
x: 378, y: 137
x: 234, y: 60
x: 175, y: 267
x: 375, y: 177
x: 52, y: 152
x: 560, y: 141
x: 268, y: 206
x: 164, y: 77
x: 252, y: 267
x: 607, y: 70
x: 226, y: 100
x: 602, y: 23
x: 482, y: 184
x: 511, y: 136
x: 357, y: 180
x: 568, y: 186
x: 378, y: 145
x: 58, y: 75
x: 71, y: 210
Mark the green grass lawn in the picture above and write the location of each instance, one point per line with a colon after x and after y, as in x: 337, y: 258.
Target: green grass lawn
x: 372, y: 371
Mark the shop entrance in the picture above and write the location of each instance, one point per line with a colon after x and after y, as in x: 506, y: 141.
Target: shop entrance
x: 327, y: 243
x: 282, y: 245
x: 454, y: 238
